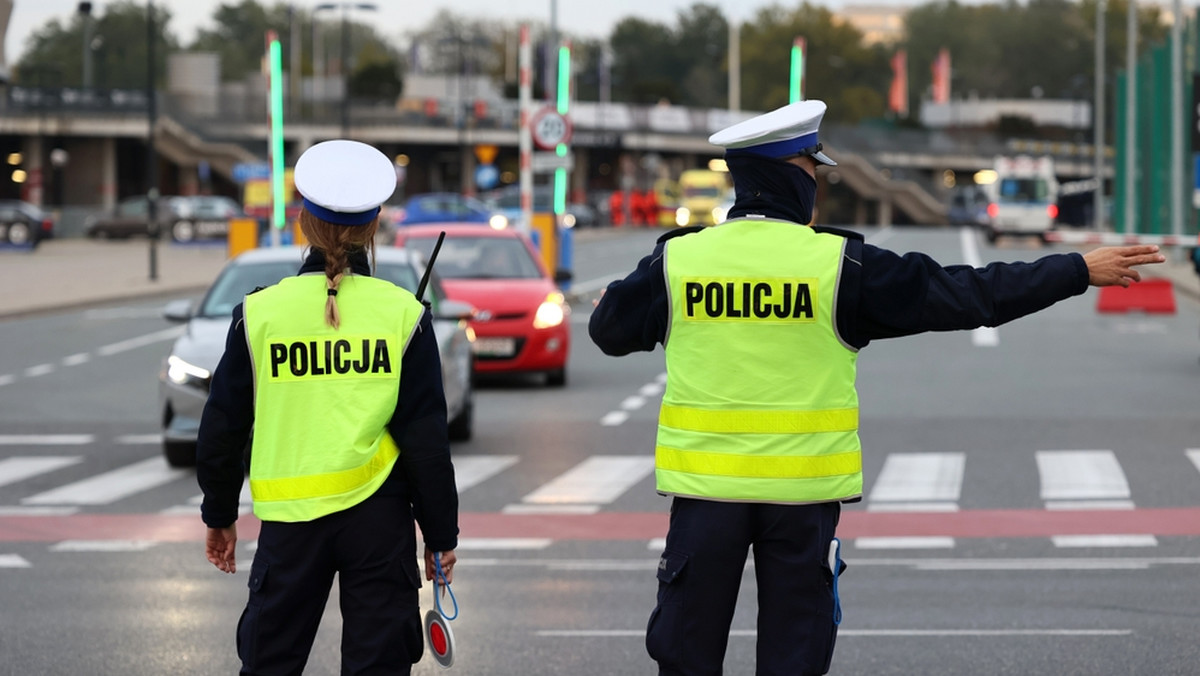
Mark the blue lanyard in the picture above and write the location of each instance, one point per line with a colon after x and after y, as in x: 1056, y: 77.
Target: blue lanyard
x: 439, y: 578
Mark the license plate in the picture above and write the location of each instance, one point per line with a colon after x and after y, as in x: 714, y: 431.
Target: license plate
x: 495, y: 347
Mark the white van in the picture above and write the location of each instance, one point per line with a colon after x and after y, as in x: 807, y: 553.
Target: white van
x: 1023, y: 197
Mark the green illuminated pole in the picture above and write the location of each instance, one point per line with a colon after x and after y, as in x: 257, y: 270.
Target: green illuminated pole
x: 278, y: 214
x: 564, y: 98
x: 796, y: 82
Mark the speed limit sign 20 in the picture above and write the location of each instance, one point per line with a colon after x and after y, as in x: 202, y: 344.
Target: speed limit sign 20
x: 549, y: 128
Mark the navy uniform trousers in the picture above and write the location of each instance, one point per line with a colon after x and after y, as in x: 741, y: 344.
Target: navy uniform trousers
x: 701, y: 570
x: 372, y: 548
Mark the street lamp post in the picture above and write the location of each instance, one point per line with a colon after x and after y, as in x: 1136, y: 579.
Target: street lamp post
x: 345, y: 51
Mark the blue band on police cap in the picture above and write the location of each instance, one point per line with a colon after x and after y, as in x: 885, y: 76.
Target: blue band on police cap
x: 340, y: 217
x: 791, y: 146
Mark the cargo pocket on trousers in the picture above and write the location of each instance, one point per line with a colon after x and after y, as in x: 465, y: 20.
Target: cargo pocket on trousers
x: 662, y: 630
x: 413, y: 628
x: 247, y: 629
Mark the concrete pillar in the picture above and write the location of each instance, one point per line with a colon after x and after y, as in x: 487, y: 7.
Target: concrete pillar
x: 860, y: 212
x: 34, y: 189
x: 108, y: 173
x: 885, y: 211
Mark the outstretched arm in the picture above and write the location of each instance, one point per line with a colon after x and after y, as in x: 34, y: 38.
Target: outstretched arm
x: 1113, y: 265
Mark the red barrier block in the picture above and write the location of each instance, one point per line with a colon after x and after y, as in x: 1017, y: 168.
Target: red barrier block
x: 1149, y: 295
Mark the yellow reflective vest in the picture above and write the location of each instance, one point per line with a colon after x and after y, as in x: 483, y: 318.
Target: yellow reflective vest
x: 323, y: 396
x: 760, y: 404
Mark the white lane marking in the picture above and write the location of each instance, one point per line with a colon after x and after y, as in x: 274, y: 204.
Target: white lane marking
x: 19, y: 468
x: 932, y: 564
x: 1032, y: 564
x: 1193, y: 454
x: 140, y: 341
x: 7, y: 379
x: 1081, y: 475
x: 598, y: 480
x: 192, y: 508
x: 905, y: 542
x: 913, y: 633
x: 984, y: 336
x: 657, y: 544
x: 633, y: 403
x: 12, y: 561
x: 593, y: 285
x: 503, y: 543
x: 76, y: 359
x: 1069, y: 505
x: 527, y: 509
x: 912, y: 507
x: 651, y: 390
x: 470, y: 470
x: 38, y: 511
x: 109, y: 487
x: 39, y: 370
x: 45, y: 439
x: 139, y: 439
x: 1141, y: 540
x: 920, y: 478
x: 102, y: 546
x: 614, y: 418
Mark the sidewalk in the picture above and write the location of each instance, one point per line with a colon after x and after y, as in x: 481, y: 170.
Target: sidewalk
x: 68, y: 273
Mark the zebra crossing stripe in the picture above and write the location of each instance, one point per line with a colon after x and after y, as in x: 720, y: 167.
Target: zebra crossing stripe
x: 471, y: 470
x: 1079, y: 541
x: 1193, y: 454
x: 1081, y: 475
x: 19, y: 468
x: 109, y: 487
x: 920, y: 478
x: 598, y: 480
x: 905, y: 542
x: 45, y: 439
x: 12, y: 561
x: 102, y: 546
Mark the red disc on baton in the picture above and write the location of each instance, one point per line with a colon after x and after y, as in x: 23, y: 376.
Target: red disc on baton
x: 440, y: 638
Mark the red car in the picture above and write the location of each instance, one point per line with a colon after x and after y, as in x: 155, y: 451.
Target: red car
x: 520, y: 319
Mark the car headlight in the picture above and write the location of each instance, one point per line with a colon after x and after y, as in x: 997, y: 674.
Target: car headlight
x: 568, y: 220
x: 498, y: 221
x: 718, y: 214
x: 551, y: 312
x: 682, y: 216
x: 181, y: 372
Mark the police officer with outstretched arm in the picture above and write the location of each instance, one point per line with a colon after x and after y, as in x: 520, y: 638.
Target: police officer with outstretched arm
x: 339, y: 376
x: 761, y: 319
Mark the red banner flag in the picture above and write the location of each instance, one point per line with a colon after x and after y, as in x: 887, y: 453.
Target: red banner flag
x: 898, y: 94
x: 941, y: 77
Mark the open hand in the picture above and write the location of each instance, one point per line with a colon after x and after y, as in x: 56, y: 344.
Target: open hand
x: 1113, y: 265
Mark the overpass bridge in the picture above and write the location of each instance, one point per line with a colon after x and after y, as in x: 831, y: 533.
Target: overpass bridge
x: 884, y: 175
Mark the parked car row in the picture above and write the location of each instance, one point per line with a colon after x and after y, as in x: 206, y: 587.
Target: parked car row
x: 182, y: 219
x: 24, y: 224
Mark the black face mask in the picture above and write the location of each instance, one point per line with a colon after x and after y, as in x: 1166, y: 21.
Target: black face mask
x: 770, y: 187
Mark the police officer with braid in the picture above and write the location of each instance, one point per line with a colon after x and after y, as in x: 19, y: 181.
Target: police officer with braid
x: 761, y: 319
x: 339, y: 376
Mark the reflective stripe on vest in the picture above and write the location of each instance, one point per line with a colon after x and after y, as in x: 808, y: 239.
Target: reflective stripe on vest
x: 323, y: 396
x: 760, y: 402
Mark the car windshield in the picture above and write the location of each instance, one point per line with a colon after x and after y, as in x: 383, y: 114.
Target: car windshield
x: 236, y: 281
x: 479, y: 257
x: 702, y: 191
x: 1018, y: 190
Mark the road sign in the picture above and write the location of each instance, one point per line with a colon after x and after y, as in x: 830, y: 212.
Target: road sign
x: 549, y: 128
x: 244, y: 171
x: 550, y: 161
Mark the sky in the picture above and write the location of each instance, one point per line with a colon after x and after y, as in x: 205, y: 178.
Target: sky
x: 396, y: 18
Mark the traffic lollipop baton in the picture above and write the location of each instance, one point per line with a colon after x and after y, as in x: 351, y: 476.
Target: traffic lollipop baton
x: 437, y: 623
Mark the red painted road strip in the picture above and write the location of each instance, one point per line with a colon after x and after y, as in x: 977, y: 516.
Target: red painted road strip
x: 1007, y: 523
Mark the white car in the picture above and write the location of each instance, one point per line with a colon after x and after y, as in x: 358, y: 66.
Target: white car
x: 187, y: 372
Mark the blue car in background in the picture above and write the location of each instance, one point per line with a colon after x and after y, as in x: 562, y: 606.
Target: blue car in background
x: 445, y: 207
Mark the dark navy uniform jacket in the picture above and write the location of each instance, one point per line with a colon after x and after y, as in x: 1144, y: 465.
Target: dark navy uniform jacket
x: 423, y: 473
x: 881, y: 295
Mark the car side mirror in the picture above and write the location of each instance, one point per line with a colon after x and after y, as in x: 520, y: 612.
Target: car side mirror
x: 455, y: 310
x: 178, y: 311
x: 561, y: 275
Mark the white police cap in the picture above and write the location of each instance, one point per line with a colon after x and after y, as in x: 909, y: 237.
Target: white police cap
x: 783, y: 132
x: 344, y: 182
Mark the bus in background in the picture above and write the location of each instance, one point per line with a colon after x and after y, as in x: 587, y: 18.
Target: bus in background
x: 1022, y: 196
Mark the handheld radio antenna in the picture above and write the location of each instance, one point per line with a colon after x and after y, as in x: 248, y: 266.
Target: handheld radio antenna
x: 429, y: 267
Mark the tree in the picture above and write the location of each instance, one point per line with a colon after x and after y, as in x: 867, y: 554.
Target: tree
x: 645, y: 65
x: 54, y: 55
x: 239, y: 36
x: 840, y: 70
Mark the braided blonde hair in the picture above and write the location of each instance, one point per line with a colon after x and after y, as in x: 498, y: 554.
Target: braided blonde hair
x: 337, y: 242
